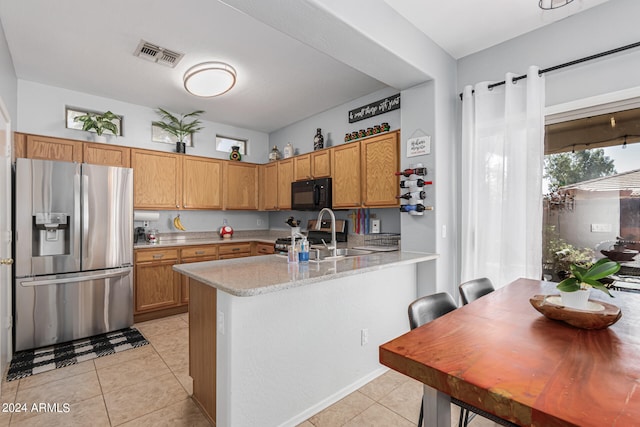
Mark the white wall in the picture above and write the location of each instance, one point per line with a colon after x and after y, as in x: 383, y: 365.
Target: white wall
x: 9, y: 81
x: 610, y: 25
x: 334, y: 124
x: 286, y: 355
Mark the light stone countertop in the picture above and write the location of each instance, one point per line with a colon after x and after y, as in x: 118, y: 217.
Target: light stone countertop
x: 208, y: 238
x: 245, y: 277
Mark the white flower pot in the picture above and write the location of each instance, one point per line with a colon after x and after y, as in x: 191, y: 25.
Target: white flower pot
x: 577, y: 299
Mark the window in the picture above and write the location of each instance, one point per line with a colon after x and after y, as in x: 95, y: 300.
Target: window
x: 592, y: 191
x: 224, y: 144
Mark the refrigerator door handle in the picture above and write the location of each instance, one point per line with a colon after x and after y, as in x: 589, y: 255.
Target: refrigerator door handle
x: 85, y: 216
x: 84, y: 278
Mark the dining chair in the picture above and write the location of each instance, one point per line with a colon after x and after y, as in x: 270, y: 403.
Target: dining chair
x: 424, y: 310
x: 474, y: 289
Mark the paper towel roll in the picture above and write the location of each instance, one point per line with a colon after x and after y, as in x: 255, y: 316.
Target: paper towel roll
x: 146, y: 216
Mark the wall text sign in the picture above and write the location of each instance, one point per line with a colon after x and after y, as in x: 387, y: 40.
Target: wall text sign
x: 382, y: 106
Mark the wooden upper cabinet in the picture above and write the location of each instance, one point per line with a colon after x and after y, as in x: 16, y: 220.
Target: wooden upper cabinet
x: 240, y: 185
x: 285, y: 177
x: 106, y: 154
x: 380, y: 161
x: 302, y: 167
x: 321, y: 163
x: 157, y: 179
x: 48, y: 148
x: 269, y: 186
x: 312, y: 165
x: 201, y: 183
x: 346, y: 175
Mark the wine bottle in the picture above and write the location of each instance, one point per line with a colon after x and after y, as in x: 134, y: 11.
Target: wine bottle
x: 414, y: 183
x: 416, y: 195
x: 416, y: 208
x: 415, y: 171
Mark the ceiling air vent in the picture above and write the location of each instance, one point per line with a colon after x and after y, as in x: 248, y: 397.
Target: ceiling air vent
x: 160, y: 55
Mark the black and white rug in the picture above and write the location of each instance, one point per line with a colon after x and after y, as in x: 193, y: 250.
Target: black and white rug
x: 30, y: 362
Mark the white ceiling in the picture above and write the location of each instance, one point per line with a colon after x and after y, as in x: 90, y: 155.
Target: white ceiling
x: 87, y: 46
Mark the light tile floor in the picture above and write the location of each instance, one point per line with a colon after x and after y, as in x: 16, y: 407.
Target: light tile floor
x: 150, y: 386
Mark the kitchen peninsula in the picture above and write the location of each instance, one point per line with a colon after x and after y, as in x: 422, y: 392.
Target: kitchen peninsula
x: 272, y: 343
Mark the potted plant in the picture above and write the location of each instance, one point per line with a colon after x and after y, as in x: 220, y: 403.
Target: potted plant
x: 179, y: 127
x: 99, y: 122
x: 575, y: 289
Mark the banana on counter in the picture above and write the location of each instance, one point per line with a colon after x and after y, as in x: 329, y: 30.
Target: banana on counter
x: 178, y: 224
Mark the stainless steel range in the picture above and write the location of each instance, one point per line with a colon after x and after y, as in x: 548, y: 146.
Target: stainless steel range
x: 74, y: 250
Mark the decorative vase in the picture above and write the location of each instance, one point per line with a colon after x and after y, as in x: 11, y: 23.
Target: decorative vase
x: 235, y: 153
x: 181, y: 147
x: 99, y: 138
x: 577, y: 299
x: 274, y: 154
x: 318, y: 140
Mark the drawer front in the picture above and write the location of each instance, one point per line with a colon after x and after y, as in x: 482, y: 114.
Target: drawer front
x: 198, y: 251
x: 235, y: 248
x: 156, y: 255
x: 264, y: 249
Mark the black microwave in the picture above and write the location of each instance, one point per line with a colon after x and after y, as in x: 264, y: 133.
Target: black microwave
x: 311, y: 195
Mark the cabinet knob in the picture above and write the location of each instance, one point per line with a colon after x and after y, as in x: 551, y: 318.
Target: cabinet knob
x: 177, y: 206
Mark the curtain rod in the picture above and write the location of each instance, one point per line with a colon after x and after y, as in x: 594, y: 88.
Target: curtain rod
x: 568, y: 64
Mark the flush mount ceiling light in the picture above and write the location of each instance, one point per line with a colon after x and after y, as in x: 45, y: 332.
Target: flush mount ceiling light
x: 553, y: 4
x: 209, y: 79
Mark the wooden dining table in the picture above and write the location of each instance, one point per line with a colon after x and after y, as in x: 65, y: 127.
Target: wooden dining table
x: 501, y: 355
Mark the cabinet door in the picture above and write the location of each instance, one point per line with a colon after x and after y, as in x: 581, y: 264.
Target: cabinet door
x: 380, y: 161
x: 240, y: 185
x: 321, y: 163
x: 157, y: 179
x: 156, y: 286
x: 346, y: 175
x: 201, y: 183
x: 48, y: 148
x: 184, y: 284
x: 302, y: 167
x: 285, y: 177
x: 269, y: 186
x: 106, y: 154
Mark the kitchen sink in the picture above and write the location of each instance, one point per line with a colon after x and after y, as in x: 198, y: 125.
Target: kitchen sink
x: 324, y: 254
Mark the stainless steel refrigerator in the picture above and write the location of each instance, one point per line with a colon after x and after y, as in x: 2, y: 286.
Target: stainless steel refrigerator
x: 73, y: 251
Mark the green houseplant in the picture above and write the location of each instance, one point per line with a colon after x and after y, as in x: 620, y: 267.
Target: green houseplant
x: 583, y: 278
x: 179, y: 126
x: 99, y: 122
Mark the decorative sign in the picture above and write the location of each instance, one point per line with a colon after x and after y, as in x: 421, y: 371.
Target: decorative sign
x: 379, y: 107
x: 419, y: 146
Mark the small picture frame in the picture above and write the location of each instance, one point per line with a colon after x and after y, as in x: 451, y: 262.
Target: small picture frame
x: 160, y: 135
x: 72, y: 112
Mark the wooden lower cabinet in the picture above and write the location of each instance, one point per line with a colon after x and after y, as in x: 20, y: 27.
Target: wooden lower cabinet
x: 157, y: 286
x: 234, y: 250
x: 202, y: 346
x: 262, y: 248
x: 194, y: 254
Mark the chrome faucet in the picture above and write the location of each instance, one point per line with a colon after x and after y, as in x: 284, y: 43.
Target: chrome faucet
x: 334, y: 244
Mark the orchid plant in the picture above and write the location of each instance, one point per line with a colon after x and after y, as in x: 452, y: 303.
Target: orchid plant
x: 585, y: 278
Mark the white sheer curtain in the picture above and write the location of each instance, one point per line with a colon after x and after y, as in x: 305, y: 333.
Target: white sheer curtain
x: 502, y: 160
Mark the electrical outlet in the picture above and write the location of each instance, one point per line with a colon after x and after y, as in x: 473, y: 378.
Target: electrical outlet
x: 260, y: 222
x: 364, y: 336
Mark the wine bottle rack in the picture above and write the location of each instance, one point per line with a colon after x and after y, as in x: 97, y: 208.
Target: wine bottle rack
x: 412, y: 200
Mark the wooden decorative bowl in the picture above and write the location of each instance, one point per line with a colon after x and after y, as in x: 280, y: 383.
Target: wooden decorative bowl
x: 599, y: 315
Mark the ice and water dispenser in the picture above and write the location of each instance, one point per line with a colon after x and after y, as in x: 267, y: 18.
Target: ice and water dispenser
x: 51, y: 234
